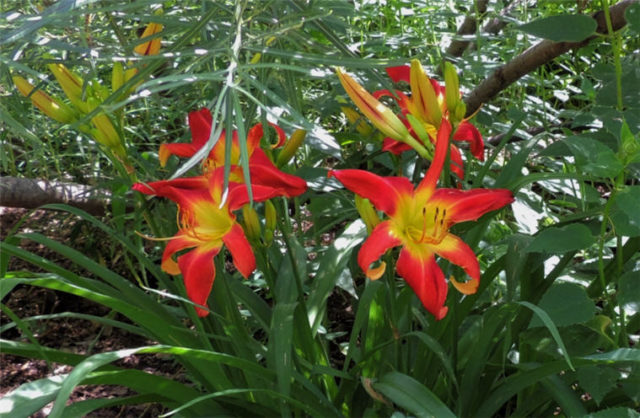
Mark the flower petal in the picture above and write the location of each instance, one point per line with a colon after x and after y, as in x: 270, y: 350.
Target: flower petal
x: 240, y: 250
x: 457, y: 165
x: 179, y: 149
x: 380, y: 115
x: 469, y: 205
x: 426, y: 279
x: 459, y: 253
x: 394, y: 147
x: 399, y: 73
x: 179, y: 242
x: 198, y: 272
x: 380, y: 240
x: 384, y: 194
x: 183, y: 191
x: 469, y: 133
x: 264, y: 173
x: 200, y: 124
x: 428, y: 183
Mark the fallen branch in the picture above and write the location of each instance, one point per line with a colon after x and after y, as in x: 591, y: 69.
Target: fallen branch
x: 536, y: 56
x: 30, y: 193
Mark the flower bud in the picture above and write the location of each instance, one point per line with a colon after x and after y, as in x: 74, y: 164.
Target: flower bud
x: 251, y: 223
x: 367, y: 213
x: 51, y: 107
x: 270, y: 215
x: 108, y: 135
x: 380, y: 115
x: 452, y: 87
x: 151, y: 47
x: 70, y: 82
x: 117, y: 76
x: 357, y: 120
x: 424, y: 101
x: 290, y: 148
x: 269, y: 221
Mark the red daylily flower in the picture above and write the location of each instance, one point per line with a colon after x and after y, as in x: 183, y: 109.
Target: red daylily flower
x: 261, y: 169
x: 427, y: 104
x: 419, y: 221
x: 206, y: 223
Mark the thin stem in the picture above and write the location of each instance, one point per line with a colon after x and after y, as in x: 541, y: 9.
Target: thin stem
x: 615, y: 45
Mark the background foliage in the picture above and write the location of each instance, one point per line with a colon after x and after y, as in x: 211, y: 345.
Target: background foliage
x: 555, y: 324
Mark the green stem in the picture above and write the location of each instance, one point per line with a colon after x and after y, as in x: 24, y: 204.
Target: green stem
x: 615, y: 45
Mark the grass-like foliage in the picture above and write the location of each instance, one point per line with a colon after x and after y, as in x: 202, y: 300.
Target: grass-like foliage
x: 306, y: 209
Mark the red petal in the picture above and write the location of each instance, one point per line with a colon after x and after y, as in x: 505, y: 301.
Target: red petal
x: 159, y: 187
x: 377, y: 244
x: 238, y: 195
x: 179, y: 242
x: 469, y: 133
x: 437, y: 87
x: 200, y: 124
x: 394, y: 147
x: 428, y: 183
x: 264, y: 173
x: 282, y: 137
x: 426, y: 279
x: 399, y: 73
x: 254, y: 136
x: 382, y: 193
x: 457, y: 165
x: 198, y: 272
x: 469, y: 205
x: 459, y: 253
x: 240, y: 250
x: 179, y: 149
x: 399, y: 97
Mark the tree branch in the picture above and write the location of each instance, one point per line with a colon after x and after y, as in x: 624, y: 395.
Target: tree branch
x: 536, y: 56
x: 495, y: 25
x: 468, y: 27
x: 29, y: 194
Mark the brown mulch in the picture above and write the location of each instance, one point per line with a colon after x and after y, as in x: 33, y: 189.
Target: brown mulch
x: 87, y: 337
x: 68, y: 334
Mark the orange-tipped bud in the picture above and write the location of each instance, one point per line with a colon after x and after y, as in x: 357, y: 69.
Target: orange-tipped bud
x: 151, y: 47
x: 381, y: 116
x: 251, y: 223
x: 367, y: 213
x: 70, y: 82
x: 357, y: 120
x: 424, y: 102
x: 290, y: 148
x: 51, y: 107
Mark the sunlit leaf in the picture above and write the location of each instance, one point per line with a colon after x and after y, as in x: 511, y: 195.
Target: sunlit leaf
x: 561, y: 240
x: 561, y: 28
x: 566, y: 304
x: 624, y: 212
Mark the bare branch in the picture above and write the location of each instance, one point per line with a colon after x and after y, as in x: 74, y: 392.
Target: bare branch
x: 468, y: 27
x: 29, y: 194
x: 536, y: 56
x: 495, y: 25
